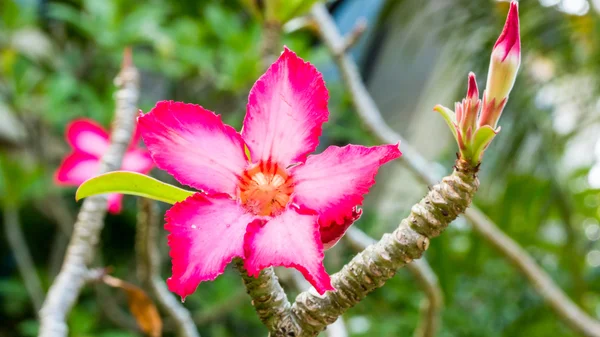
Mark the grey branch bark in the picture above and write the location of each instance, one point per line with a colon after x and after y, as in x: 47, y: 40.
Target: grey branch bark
x: 269, y: 300
x: 371, y: 268
x: 421, y: 270
x: 148, y: 262
x: 66, y: 287
x: 18, y: 246
x: 366, y: 108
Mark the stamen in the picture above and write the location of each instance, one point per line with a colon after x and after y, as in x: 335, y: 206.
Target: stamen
x: 265, y: 189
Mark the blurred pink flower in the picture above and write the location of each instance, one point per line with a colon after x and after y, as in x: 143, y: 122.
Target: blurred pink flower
x: 89, y: 142
x: 264, y: 199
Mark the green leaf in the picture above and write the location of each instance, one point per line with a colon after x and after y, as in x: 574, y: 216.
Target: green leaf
x: 450, y: 118
x: 124, y: 182
x: 481, y: 140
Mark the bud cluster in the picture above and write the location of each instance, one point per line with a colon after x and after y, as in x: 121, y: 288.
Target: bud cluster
x: 474, y: 123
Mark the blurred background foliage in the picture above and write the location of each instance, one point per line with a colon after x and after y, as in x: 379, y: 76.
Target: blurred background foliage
x: 540, y: 178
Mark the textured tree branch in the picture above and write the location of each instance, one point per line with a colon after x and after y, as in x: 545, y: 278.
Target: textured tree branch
x: 269, y: 300
x: 148, y: 262
x: 66, y: 288
x: 371, y: 268
x: 426, y: 277
x: 568, y: 311
x: 18, y: 246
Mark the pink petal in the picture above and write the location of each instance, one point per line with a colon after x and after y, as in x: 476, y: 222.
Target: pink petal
x: 286, y: 109
x: 334, y: 182
x: 290, y: 240
x: 194, y: 145
x: 76, y: 168
x: 509, y: 41
x: 87, y: 136
x: 330, y: 235
x: 115, y: 203
x: 206, y: 234
x: 137, y: 160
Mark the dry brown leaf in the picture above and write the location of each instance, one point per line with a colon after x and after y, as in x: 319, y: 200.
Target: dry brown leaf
x: 140, y: 305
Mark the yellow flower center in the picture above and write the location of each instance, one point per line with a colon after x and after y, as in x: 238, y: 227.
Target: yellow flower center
x: 265, y: 189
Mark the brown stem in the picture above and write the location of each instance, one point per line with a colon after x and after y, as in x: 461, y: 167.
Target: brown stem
x: 66, y: 287
x: 271, y: 43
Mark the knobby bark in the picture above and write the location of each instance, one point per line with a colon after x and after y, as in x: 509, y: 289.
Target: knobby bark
x: 74, y: 273
x: 148, y: 267
x: 269, y: 300
x: 426, y: 277
x: 367, y: 110
x: 371, y: 268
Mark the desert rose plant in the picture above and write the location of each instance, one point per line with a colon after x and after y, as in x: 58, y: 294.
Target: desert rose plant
x: 263, y: 199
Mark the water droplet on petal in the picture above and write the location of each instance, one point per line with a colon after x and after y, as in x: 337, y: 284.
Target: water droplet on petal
x: 182, y: 299
x: 194, y: 227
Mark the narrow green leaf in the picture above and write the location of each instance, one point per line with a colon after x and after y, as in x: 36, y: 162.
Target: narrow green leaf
x: 481, y: 140
x: 450, y: 118
x: 125, y: 182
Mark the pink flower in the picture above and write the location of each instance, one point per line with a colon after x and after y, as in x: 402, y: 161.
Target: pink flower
x: 89, y: 142
x: 276, y: 206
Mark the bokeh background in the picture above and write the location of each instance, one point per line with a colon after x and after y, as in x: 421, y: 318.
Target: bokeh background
x: 540, y: 178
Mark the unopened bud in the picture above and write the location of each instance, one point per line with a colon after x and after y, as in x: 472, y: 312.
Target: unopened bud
x: 504, y: 64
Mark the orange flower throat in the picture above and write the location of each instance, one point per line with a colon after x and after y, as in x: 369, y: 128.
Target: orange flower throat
x: 265, y: 189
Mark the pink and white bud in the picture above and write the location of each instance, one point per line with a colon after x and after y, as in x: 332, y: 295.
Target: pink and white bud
x: 504, y: 64
x: 469, y: 108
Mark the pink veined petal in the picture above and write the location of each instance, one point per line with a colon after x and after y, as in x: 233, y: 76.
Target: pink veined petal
x: 335, y: 181
x: 193, y: 145
x: 286, y: 108
x: 115, y: 203
x: 290, y: 240
x: 76, y: 168
x: 206, y: 233
x: 137, y: 160
x: 87, y: 136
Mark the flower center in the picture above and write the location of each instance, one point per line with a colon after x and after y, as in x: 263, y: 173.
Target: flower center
x: 265, y: 189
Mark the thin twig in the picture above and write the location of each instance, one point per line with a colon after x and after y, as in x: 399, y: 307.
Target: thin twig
x: 420, y: 269
x: 366, y: 108
x: 66, y: 287
x: 18, y: 246
x: 148, y: 261
x: 352, y: 38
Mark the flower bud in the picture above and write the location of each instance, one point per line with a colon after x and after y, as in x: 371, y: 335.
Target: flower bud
x: 466, y: 112
x: 504, y: 64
